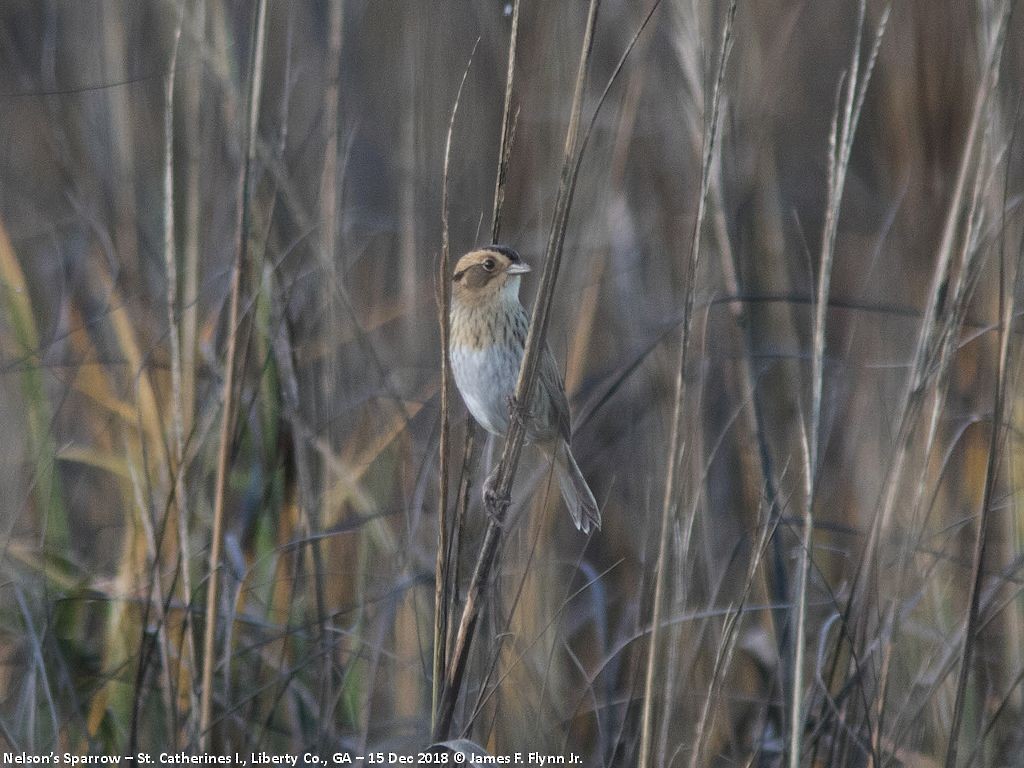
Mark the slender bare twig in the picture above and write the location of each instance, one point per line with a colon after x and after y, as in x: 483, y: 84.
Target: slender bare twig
x: 444, y: 300
x: 508, y: 125
x: 227, y: 391
x: 675, y: 439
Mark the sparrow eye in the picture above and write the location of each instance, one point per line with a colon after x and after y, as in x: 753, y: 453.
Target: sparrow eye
x: 489, y: 265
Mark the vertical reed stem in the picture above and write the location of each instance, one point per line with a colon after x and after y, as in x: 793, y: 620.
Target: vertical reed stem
x: 444, y: 300
x: 227, y: 390
x: 179, y: 507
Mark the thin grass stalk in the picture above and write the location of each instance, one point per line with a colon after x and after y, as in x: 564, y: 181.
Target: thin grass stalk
x: 840, y: 147
x: 841, y: 139
x: 148, y: 446
x: 676, y: 446
x: 1010, y: 527
x: 840, y: 144
x: 487, y: 689
x: 962, y: 289
x: 458, y: 525
x: 35, y: 649
x: 579, y: 347
x: 498, y: 503
x: 730, y: 633
x: 996, y: 439
x: 190, y: 247
x: 329, y: 177
x: 46, y: 486
x: 179, y: 505
x: 227, y: 391
x: 675, y: 658
x: 932, y: 678
x: 327, y: 223
x: 796, y: 675
x: 157, y: 602
x: 454, y: 555
x: 508, y: 123
x: 443, y: 292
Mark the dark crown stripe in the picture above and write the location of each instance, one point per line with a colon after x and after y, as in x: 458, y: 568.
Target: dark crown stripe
x: 505, y: 251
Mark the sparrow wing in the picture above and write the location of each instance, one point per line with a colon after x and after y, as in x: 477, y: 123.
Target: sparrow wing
x: 551, y: 383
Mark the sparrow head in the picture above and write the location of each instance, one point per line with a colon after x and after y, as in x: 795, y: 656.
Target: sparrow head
x: 488, y: 272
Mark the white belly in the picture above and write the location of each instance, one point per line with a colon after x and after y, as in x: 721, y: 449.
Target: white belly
x: 486, y: 378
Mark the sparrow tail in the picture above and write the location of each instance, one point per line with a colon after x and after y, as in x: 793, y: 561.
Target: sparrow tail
x: 575, y: 491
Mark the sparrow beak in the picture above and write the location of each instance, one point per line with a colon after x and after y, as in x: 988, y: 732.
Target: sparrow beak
x: 518, y: 269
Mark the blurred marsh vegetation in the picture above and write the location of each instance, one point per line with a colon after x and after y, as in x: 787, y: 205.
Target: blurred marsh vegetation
x: 896, y: 638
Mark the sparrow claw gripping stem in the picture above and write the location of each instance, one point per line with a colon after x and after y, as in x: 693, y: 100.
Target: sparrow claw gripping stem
x: 516, y: 412
x: 495, y: 503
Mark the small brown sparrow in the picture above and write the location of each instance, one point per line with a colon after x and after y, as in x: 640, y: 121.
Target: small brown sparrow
x: 488, y: 337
